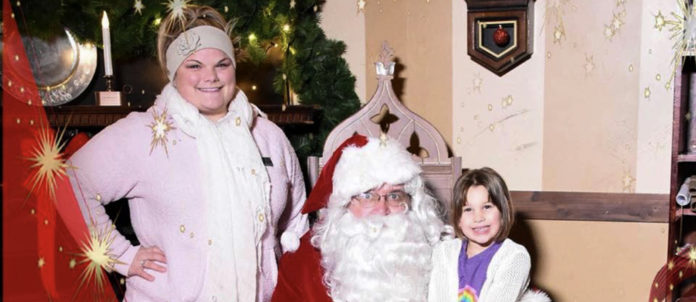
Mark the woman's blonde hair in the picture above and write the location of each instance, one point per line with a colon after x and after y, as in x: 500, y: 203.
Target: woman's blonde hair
x: 193, y: 16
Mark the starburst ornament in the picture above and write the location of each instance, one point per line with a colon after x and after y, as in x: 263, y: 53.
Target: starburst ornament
x: 692, y: 256
x: 48, y: 159
x: 160, y: 126
x: 138, y: 6
x: 96, y: 252
x: 176, y: 8
x: 682, y: 30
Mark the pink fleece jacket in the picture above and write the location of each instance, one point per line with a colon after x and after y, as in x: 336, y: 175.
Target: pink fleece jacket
x: 165, y: 200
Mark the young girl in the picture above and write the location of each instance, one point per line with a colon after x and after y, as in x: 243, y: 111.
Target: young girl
x: 481, y: 264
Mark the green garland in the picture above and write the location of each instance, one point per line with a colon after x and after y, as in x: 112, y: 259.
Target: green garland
x: 312, y: 64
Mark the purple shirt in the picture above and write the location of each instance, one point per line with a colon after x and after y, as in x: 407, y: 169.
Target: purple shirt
x: 472, y: 271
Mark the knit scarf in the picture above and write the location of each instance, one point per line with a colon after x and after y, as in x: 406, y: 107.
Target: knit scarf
x: 236, y: 194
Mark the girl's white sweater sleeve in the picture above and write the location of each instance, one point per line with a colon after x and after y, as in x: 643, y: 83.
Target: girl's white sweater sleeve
x: 507, y: 275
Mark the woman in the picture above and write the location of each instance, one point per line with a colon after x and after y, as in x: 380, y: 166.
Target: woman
x: 207, y: 178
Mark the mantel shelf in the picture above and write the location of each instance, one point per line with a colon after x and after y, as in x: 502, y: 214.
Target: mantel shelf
x: 102, y: 116
x: 689, y: 157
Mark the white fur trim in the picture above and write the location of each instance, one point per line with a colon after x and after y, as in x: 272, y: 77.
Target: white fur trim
x: 363, y: 168
x: 289, y: 241
x: 535, y: 296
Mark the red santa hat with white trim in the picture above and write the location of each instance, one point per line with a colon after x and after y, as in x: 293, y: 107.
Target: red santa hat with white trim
x: 358, y: 165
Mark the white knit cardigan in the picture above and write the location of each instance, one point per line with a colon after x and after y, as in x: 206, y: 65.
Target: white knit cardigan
x: 507, y: 276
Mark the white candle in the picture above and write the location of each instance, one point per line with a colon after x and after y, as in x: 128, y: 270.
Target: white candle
x: 106, y: 36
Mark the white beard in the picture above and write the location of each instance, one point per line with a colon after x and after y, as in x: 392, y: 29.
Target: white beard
x: 376, y: 258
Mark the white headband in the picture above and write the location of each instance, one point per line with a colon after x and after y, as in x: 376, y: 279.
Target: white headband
x: 195, y: 39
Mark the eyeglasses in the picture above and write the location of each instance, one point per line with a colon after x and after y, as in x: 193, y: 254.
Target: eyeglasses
x: 392, y: 199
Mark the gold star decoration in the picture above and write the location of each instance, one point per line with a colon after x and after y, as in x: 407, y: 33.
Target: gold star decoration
x: 477, y: 81
x: 160, y: 126
x: 628, y: 181
x: 646, y: 92
x: 609, y: 32
x: 692, y: 256
x: 506, y: 101
x: 659, y: 21
x: 138, y: 6
x: 47, y: 157
x: 96, y: 252
x: 617, y: 22
x: 361, y: 5
x: 41, y: 262
x: 558, y: 33
x: 589, y: 64
x: 555, y: 12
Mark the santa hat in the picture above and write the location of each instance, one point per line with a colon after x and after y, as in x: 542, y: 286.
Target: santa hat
x: 358, y: 165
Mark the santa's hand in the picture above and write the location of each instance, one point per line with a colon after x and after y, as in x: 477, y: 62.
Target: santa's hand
x: 147, y: 258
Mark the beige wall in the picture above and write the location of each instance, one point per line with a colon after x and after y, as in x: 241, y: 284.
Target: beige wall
x: 596, y: 261
x: 343, y: 22
x: 575, y: 117
x: 420, y: 34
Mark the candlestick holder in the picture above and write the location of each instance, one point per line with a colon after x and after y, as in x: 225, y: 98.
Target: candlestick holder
x: 109, y: 97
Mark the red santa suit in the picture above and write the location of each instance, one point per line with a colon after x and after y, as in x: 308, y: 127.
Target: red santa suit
x: 300, y: 275
x: 350, y: 258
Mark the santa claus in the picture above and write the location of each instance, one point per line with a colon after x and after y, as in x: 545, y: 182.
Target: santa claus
x: 376, y: 229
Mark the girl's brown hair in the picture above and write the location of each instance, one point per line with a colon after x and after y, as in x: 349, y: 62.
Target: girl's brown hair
x: 497, y: 192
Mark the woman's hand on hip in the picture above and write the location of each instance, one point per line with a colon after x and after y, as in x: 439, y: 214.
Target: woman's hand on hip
x: 147, y: 258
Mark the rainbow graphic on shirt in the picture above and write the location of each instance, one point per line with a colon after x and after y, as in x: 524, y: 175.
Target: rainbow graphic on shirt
x: 467, y: 294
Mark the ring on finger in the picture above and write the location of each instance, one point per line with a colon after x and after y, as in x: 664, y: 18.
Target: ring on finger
x: 142, y: 263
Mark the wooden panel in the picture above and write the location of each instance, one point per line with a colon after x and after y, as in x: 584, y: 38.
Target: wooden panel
x: 499, y: 4
x: 592, y: 206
